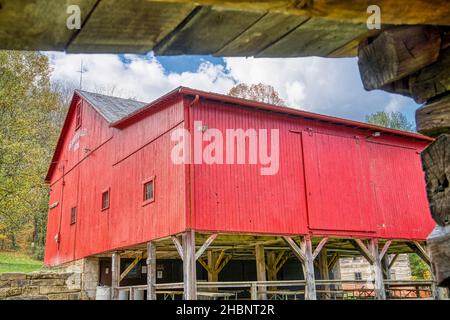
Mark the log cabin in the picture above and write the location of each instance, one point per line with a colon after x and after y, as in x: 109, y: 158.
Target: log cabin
x: 150, y: 224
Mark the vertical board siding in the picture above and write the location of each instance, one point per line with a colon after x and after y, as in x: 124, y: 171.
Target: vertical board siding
x: 399, y: 189
x: 337, y: 179
x: 237, y: 197
x: 118, y: 160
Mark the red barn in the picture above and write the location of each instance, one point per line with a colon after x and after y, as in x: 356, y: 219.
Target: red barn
x: 317, y: 188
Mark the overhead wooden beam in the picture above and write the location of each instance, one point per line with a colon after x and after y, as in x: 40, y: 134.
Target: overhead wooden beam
x: 365, y: 252
x: 205, y: 246
x: 298, y: 252
x: 396, y: 53
x: 131, y: 266
x: 319, y: 247
x: 334, y: 259
x: 433, y: 118
x: 178, y: 246
x: 433, y: 80
x: 436, y: 164
x: 412, y: 12
x: 151, y: 270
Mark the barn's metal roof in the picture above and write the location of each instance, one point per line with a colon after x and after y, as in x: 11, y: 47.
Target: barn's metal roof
x: 111, y: 108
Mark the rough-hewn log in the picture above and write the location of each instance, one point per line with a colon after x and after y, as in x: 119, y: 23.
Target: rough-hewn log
x: 436, y: 164
x: 151, y: 270
x: 433, y: 119
x: 396, y: 53
x: 189, y: 267
x: 438, y: 244
x: 433, y: 80
x: 115, y: 275
x: 260, y: 269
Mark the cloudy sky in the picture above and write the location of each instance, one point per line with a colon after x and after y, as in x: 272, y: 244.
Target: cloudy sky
x: 326, y: 86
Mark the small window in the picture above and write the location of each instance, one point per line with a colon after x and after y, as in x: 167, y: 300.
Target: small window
x: 105, y: 199
x: 149, y: 190
x: 73, y: 215
x: 78, y: 116
x: 358, y: 276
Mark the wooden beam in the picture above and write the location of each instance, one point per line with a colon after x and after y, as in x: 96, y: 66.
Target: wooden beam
x: 436, y: 164
x: 205, y: 265
x: 115, y: 275
x: 385, y: 248
x: 334, y: 259
x: 432, y: 80
x: 178, y: 246
x: 298, y: 252
x: 224, y: 262
x: 420, y: 251
x: 319, y: 247
x: 219, y: 259
x: 323, y: 268
x: 365, y: 252
x: 130, y: 267
x: 151, y: 270
x: 310, y: 290
x: 189, y: 266
x: 260, y: 268
x: 397, y: 53
x: 412, y: 12
x: 380, y: 290
x: 205, y: 245
x: 394, y: 258
x: 433, y: 118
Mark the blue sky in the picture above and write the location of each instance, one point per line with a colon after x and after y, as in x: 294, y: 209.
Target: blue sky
x: 326, y: 86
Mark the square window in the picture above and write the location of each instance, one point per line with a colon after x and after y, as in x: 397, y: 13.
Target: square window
x: 149, y: 190
x: 105, y: 199
x: 73, y: 215
x: 358, y: 276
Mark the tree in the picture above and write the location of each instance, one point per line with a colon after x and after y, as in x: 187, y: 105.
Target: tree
x: 28, y: 133
x: 259, y: 92
x: 393, y: 120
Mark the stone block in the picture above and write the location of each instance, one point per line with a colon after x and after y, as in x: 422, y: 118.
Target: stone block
x: 55, y: 289
x: 13, y: 276
x: 58, y: 296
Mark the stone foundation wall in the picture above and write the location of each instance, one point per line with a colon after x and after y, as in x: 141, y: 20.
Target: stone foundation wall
x: 39, y: 286
x: 73, y: 281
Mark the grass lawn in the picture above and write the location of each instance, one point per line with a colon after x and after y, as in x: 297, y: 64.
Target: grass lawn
x: 18, y: 262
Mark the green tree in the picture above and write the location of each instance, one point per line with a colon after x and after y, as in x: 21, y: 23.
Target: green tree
x: 28, y: 132
x: 393, y: 120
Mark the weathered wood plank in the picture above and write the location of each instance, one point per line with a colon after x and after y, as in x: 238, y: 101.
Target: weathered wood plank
x: 316, y: 37
x: 433, y: 80
x: 433, y: 119
x: 205, y: 245
x: 262, y: 34
x: 412, y: 12
x: 207, y: 31
x: 436, y: 164
x: 438, y: 244
x: 115, y: 275
x: 298, y: 252
x: 38, y: 25
x: 365, y: 252
x: 189, y: 266
x: 380, y: 291
x: 178, y: 246
x: 319, y: 247
x: 151, y: 270
x: 310, y: 290
x: 129, y: 26
x: 130, y: 267
x: 260, y: 269
x: 396, y: 53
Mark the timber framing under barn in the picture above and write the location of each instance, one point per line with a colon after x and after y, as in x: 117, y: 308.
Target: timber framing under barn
x: 224, y: 231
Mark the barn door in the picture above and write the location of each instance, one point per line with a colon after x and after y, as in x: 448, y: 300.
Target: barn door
x: 338, y: 188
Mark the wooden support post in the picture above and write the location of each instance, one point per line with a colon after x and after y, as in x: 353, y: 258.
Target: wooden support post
x: 310, y: 290
x: 115, y: 275
x: 189, y: 266
x: 323, y: 268
x: 260, y: 269
x: 151, y: 271
x: 380, y: 291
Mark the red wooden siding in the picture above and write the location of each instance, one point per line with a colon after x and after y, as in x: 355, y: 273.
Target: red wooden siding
x: 334, y: 178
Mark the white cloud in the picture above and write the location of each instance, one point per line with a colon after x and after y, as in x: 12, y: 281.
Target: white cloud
x: 327, y: 86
